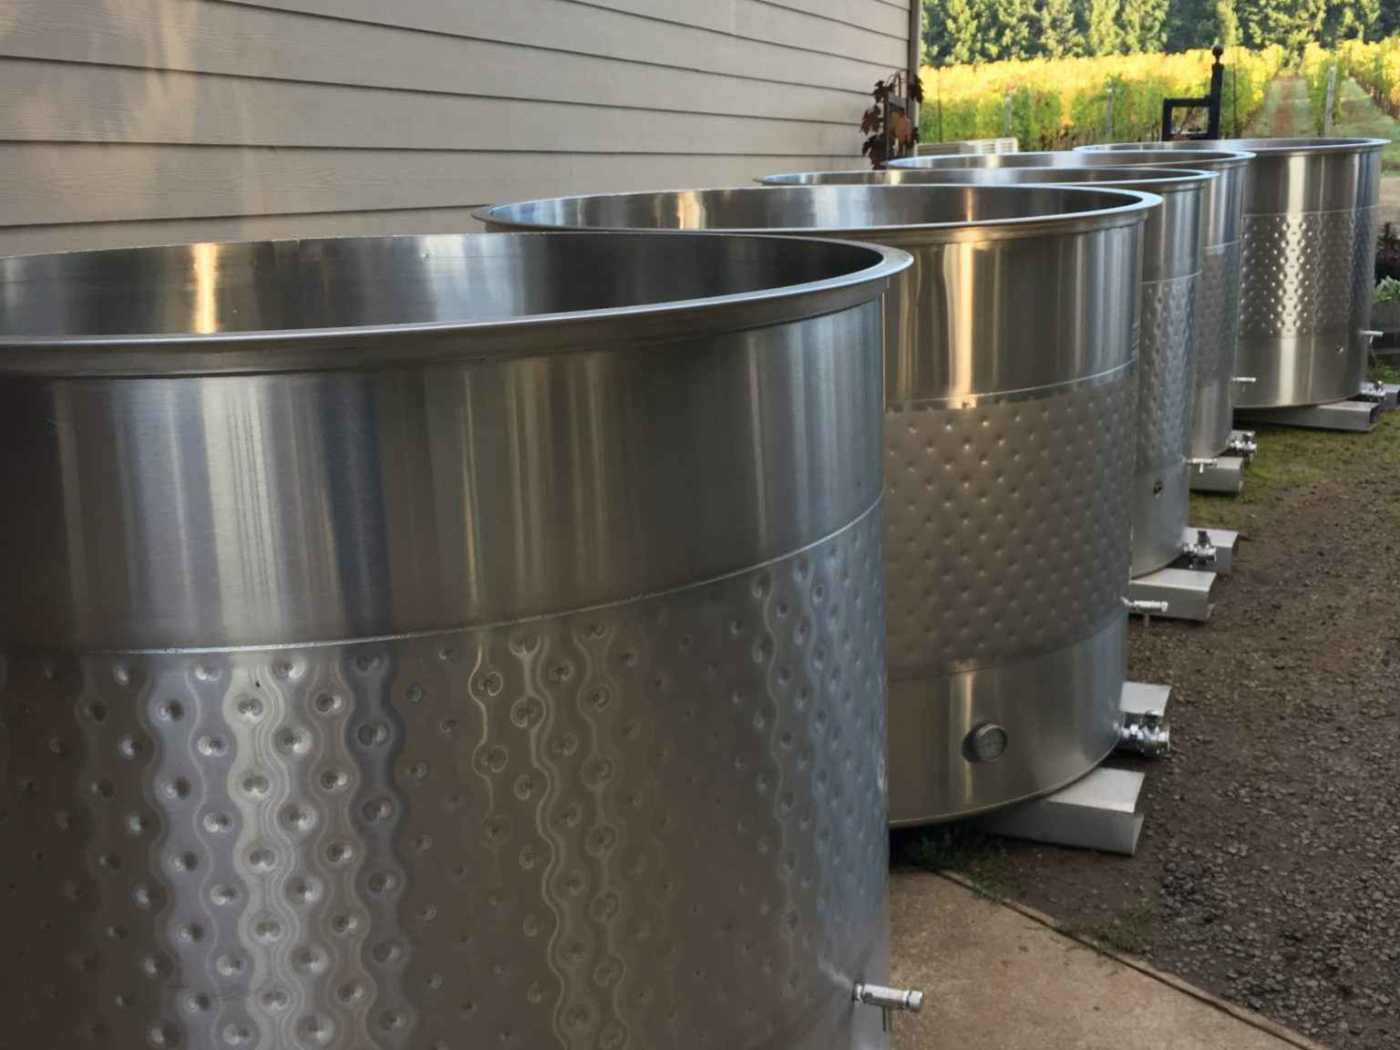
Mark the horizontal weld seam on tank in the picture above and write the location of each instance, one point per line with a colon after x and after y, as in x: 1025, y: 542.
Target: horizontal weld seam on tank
x: 1168, y: 280
x: 1317, y: 211
x: 927, y: 671
x: 1025, y: 393
x: 1331, y: 332
x: 437, y: 632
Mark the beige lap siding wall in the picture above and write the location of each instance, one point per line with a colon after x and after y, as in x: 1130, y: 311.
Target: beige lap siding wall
x: 129, y: 122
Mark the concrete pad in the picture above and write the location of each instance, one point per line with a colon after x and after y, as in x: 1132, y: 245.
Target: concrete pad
x: 997, y: 978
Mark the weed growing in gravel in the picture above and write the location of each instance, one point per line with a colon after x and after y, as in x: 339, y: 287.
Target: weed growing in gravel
x: 1129, y: 931
x: 982, y: 859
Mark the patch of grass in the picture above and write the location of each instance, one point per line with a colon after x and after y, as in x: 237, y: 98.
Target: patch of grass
x: 1219, y: 512
x: 1385, y: 372
x: 1130, y: 930
x: 1291, y: 461
x: 980, y: 858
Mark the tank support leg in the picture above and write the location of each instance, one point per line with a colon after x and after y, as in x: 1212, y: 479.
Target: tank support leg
x: 1223, y: 474
x: 1175, y: 593
x: 1387, y: 395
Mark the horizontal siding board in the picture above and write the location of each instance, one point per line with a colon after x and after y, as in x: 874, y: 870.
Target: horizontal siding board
x: 72, y: 183
x: 49, y: 102
x: 795, y: 22
x: 27, y: 240
x: 772, y: 22
x: 790, y: 26
x: 593, y: 30
x: 253, y: 42
x: 154, y: 121
x: 880, y: 16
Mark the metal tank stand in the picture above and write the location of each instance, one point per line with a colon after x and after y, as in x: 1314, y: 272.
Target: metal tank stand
x: 1355, y: 416
x: 1099, y: 811
x: 1224, y: 474
x: 1387, y: 395
x: 1173, y: 593
x: 1181, y: 591
x: 1223, y: 542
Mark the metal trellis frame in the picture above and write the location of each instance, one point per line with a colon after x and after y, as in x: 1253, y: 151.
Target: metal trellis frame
x: 1211, y: 102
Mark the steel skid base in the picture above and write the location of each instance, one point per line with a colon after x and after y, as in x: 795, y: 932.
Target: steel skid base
x: 1224, y: 475
x: 1181, y: 591
x: 1100, y: 810
x: 1173, y: 593
x: 1224, y: 541
x: 1387, y: 395
x: 1356, y: 416
x: 1243, y: 443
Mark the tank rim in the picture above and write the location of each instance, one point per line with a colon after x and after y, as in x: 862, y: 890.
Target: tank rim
x: 1224, y: 158
x: 1133, y: 209
x: 354, y: 346
x: 1316, y: 146
x: 1156, y: 180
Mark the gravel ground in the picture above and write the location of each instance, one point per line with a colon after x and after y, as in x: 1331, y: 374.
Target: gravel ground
x: 1269, y: 866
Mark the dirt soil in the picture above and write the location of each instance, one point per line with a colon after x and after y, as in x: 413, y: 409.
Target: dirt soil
x: 1269, y: 865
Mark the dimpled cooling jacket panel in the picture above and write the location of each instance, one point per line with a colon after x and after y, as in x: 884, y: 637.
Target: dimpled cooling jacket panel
x: 653, y: 824
x: 1161, y: 492
x: 1300, y: 271
x: 1217, y: 334
x: 1006, y: 531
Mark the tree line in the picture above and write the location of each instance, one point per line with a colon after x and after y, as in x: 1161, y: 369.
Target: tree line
x: 960, y: 31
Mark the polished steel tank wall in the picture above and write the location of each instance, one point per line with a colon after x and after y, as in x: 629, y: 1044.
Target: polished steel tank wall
x: 440, y: 642
x: 1010, y: 421
x: 1217, y: 292
x: 1166, y: 348
x: 1307, y: 267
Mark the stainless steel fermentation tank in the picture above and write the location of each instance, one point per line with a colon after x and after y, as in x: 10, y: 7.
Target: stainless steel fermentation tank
x: 1009, y: 427
x: 440, y: 642
x: 1307, y: 268
x: 1218, y: 290
x: 1161, y: 486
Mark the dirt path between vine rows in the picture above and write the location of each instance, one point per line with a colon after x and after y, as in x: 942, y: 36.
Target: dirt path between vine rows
x: 1285, y: 114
